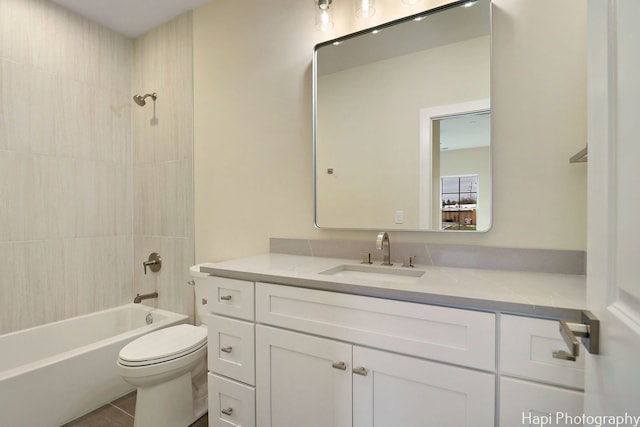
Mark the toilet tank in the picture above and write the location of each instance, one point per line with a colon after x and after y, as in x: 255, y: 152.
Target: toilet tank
x: 201, y: 283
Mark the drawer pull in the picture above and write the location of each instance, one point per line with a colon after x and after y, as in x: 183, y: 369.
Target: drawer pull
x: 226, y: 349
x: 226, y: 298
x: 360, y: 371
x: 227, y: 411
x: 340, y: 365
x: 563, y: 355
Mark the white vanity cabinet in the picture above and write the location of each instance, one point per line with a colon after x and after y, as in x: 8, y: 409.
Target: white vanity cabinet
x: 289, y: 356
x: 335, y: 378
x: 533, y: 382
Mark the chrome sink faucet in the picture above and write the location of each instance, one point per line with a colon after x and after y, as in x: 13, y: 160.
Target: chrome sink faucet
x: 383, y: 244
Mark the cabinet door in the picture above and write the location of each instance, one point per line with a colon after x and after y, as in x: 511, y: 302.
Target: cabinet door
x: 525, y: 403
x: 301, y: 380
x: 390, y: 390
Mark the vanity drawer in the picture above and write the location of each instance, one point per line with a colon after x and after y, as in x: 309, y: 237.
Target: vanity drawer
x: 456, y: 336
x: 526, y: 350
x: 521, y: 401
x: 232, y: 348
x: 231, y: 403
x: 229, y: 297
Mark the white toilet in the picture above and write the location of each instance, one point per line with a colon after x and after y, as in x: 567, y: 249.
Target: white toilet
x: 169, y: 368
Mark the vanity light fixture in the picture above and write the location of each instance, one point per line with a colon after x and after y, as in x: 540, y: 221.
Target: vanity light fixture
x: 470, y: 3
x: 365, y: 8
x: 324, y: 20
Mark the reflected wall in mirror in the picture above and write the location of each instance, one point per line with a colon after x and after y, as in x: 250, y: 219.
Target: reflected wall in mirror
x: 391, y: 110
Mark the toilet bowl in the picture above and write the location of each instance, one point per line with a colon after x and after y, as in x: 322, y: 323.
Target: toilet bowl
x: 169, y: 369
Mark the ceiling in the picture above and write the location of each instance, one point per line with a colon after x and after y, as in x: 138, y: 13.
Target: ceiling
x: 465, y: 131
x: 131, y: 17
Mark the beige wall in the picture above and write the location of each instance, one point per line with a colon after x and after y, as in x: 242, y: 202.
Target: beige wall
x: 252, y: 102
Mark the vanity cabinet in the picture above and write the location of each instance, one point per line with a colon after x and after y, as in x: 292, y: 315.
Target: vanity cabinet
x: 532, y: 381
x: 283, y: 356
x: 317, y: 382
x: 312, y: 380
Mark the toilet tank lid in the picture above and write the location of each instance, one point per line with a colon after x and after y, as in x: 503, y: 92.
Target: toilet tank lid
x: 164, y: 342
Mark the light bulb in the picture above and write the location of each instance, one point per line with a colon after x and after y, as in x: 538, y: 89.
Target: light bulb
x: 324, y: 19
x: 365, y: 8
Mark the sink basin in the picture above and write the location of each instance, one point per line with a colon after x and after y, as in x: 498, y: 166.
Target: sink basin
x: 375, y: 273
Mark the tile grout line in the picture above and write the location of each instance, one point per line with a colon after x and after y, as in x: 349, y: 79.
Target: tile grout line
x: 121, y: 410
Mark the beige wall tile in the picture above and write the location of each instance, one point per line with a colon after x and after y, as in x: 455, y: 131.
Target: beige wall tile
x: 66, y: 222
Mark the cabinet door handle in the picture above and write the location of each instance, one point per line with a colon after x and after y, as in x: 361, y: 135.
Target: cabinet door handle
x: 340, y: 365
x: 226, y: 298
x: 227, y: 411
x: 226, y: 349
x: 360, y: 371
x: 204, y: 301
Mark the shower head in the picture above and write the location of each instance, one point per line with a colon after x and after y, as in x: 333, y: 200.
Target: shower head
x: 140, y: 100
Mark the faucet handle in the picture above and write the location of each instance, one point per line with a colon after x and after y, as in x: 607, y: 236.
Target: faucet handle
x: 366, y: 258
x: 154, y: 263
x: 408, y: 261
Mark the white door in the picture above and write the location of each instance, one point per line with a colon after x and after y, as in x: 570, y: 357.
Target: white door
x: 613, y: 276
x: 301, y: 380
x: 391, y: 390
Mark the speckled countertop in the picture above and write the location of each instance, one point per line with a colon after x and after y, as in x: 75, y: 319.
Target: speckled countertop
x: 534, y: 294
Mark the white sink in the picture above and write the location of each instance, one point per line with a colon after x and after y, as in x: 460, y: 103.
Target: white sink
x: 375, y: 273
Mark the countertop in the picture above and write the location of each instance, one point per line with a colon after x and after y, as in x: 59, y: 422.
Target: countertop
x: 534, y: 294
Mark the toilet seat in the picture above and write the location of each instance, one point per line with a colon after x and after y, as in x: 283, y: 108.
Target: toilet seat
x: 163, y: 345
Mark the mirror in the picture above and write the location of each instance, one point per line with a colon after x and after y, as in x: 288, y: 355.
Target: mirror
x: 402, y: 114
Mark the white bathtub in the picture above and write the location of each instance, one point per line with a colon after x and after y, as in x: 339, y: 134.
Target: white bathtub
x: 57, y: 372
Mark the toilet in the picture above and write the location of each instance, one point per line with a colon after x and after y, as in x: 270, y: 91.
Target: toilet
x: 169, y: 369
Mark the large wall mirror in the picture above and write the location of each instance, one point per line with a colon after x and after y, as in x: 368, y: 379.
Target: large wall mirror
x: 402, y: 124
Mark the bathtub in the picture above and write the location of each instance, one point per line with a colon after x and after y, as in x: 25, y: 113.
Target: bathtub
x: 57, y: 372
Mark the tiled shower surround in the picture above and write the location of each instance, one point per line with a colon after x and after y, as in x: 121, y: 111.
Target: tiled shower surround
x: 90, y: 183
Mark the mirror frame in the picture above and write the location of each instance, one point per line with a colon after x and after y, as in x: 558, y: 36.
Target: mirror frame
x: 409, y: 18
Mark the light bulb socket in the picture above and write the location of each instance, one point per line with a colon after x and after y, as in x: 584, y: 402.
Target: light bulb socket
x: 323, y: 4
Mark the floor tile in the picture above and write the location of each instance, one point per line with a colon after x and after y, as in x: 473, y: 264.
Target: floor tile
x: 127, y: 403
x: 107, y: 416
